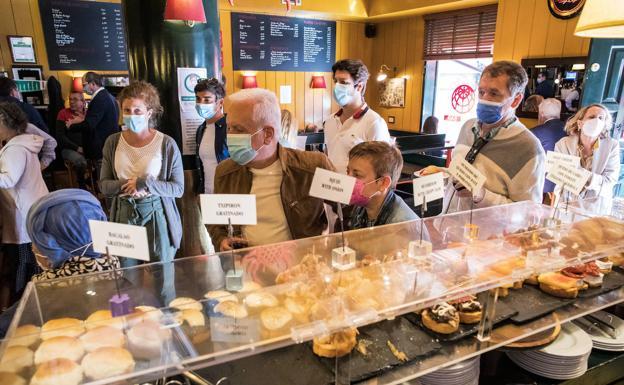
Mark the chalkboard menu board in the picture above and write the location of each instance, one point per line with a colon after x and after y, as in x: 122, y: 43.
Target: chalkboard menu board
x: 83, y: 35
x: 276, y: 43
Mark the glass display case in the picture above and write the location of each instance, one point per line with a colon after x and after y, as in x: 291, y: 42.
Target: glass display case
x: 202, y: 311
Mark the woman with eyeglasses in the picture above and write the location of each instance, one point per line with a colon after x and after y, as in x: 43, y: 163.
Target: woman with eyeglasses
x: 142, y: 173
x: 21, y: 184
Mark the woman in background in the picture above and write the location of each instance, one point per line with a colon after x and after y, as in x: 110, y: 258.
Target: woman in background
x: 288, y: 136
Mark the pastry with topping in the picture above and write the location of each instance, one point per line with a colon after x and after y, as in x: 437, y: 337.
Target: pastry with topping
x: 469, y: 309
x: 442, y: 318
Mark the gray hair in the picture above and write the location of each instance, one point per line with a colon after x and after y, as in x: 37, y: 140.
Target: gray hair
x: 550, y: 108
x: 263, y: 105
x: 517, y: 76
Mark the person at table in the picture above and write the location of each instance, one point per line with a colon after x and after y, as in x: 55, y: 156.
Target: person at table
x: 142, y: 173
x: 549, y: 130
x: 588, y: 138
x: 21, y: 184
x: 211, y: 134
x: 10, y: 93
x: 71, y: 141
x: 279, y: 177
x: 377, y: 168
x: 498, y: 145
x: 355, y: 122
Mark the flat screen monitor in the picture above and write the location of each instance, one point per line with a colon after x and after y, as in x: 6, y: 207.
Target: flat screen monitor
x: 570, y: 75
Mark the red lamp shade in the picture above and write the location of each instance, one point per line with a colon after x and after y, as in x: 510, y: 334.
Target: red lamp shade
x: 318, y: 81
x: 186, y: 10
x: 76, y: 85
x: 249, y: 81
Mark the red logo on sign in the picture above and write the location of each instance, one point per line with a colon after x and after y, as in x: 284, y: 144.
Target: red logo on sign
x: 463, y: 99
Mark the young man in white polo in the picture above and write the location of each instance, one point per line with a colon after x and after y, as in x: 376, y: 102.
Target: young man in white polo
x: 355, y: 122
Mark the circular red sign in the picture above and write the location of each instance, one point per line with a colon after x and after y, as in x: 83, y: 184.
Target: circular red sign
x: 463, y: 99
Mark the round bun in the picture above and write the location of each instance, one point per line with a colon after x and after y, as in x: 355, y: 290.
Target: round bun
x: 469, y: 317
x: 559, y: 292
x: 25, y: 335
x: 260, y: 300
x: 335, y: 345
x: 107, y: 362
x: 103, y: 318
x: 249, y: 286
x: 148, y: 313
x: 146, y: 339
x: 7, y: 378
x: 275, y: 320
x: 231, y: 309
x: 62, y: 327
x: 439, y: 327
x: 16, y: 359
x: 182, y: 303
x: 221, y: 296
x: 193, y: 318
x: 59, y: 347
x: 56, y: 372
x: 103, y: 336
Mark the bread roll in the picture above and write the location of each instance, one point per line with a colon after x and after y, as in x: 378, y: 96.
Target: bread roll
x: 559, y: 285
x: 148, y: 313
x: 275, y: 321
x: 25, y: 335
x: 58, y: 372
x: 146, y: 340
x: 103, y: 336
x: 16, y: 359
x: 194, y: 318
x: 7, y: 378
x: 231, y: 309
x: 107, y: 362
x: 221, y: 296
x: 336, y: 344
x: 249, y: 286
x: 62, y: 327
x: 103, y: 318
x: 59, y: 347
x: 182, y: 303
x: 260, y: 300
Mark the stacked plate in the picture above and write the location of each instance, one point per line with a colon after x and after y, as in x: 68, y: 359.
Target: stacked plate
x: 564, y: 359
x: 464, y: 373
x: 601, y: 339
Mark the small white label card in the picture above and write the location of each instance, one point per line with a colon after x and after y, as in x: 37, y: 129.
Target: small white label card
x: 572, y: 178
x: 466, y: 174
x: 226, y: 329
x: 220, y: 209
x: 429, y: 186
x: 331, y: 186
x: 120, y: 239
x: 552, y: 157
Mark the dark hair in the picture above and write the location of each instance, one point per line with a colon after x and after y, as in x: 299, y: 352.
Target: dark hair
x: 430, y: 126
x: 544, y: 74
x: 13, y: 117
x: 356, y: 68
x: 517, y: 76
x: 6, y: 86
x: 213, y: 86
x: 146, y: 92
x: 385, y: 158
x: 92, y: 77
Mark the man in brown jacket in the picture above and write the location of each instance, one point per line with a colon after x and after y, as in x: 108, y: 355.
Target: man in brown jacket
x: 279, y: 177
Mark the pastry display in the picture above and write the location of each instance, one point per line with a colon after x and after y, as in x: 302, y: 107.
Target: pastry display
x: 7, y: 378
x: 259, y: 300
x: 194, y: 325
x: 107, y: 362
x: 560, y: 285
x: 16, y: 359
x: 103, y: 336
x: 150, y: 313
x: 25, y: 335
x: 103, y: 318
x: 56, y: 372
x: 441, y: 318
x: 469, y: 309
x: 310, y: 267
x: 182, y: 303
x: 299, y: 307
x: 220, y: 296
x: 276, y: 321
x: 231, y: 309
x: 69, y: 327
x: 336, y: 344
x: 59, y: 347
x: 146, y: 340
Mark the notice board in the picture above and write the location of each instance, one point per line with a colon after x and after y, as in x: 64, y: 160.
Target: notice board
x: 81, y: 35
x: 277, y: 43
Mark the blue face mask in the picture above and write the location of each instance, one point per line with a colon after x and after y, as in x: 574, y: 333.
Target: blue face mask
x: 206, y: 111
x: 343, y: 94
x: 489, y: 112
x: 135, y: 123
x: 240, y: 148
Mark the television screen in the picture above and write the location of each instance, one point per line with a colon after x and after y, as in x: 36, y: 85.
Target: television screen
x: 570, y: 75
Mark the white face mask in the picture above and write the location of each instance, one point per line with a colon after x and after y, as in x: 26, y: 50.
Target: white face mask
x: 592, y: 127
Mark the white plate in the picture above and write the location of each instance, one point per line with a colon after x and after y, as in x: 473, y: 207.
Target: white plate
x: 556, y: 376
x: 606, y: 341
x: 571, y: 342
x: 552, y: 368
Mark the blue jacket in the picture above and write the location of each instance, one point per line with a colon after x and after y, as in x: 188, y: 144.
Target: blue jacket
x: 548, y: 134
x: 34, y: 116
x: 221, y: 149
x: 101, y: 120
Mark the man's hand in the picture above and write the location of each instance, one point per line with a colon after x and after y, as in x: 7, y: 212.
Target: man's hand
x: 232, y: 243
x: 130, y: 187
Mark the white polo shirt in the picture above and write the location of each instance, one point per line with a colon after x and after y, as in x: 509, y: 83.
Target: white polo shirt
x: 364, y: 126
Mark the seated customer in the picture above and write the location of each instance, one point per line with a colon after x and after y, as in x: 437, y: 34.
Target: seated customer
x: 549, y: 130
x: 71, y: 141
x: 279, y: 177
x: 377, y: 168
